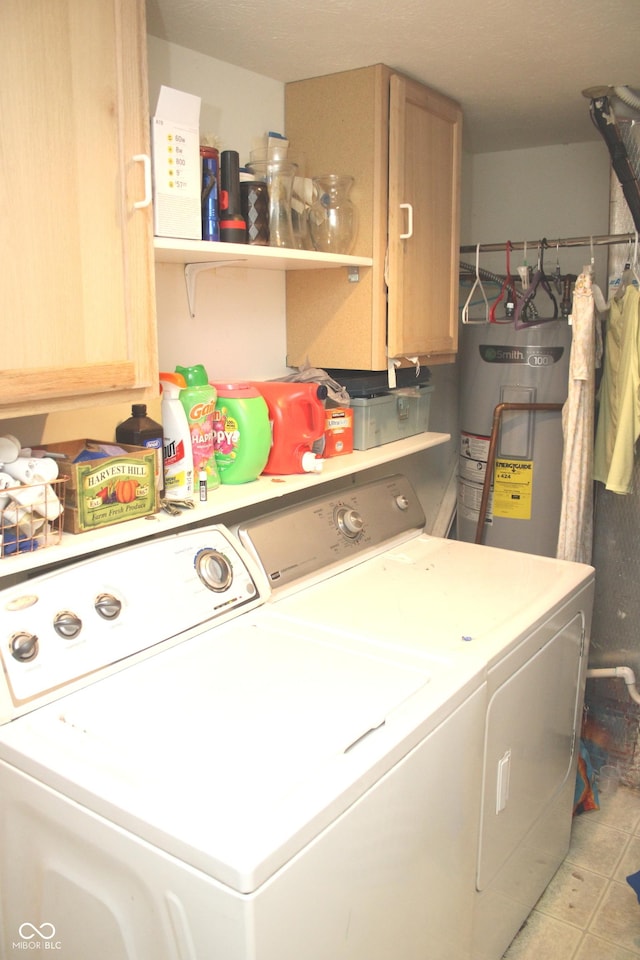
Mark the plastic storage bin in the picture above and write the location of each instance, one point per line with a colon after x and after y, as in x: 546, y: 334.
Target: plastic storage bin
x: 390, y: 416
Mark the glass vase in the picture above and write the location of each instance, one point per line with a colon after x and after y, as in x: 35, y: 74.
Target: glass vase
x: 278, y: 175
x: 332, y: 218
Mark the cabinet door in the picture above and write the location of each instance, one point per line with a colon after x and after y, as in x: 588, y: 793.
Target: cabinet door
x: 403, y: 150
x: 424, y: 190
x: 339, y: 124
x: 77, y: 297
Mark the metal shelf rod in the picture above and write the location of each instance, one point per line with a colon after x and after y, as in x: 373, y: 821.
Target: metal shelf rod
x: 604, y: 240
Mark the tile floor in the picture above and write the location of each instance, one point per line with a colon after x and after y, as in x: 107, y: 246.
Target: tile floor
x: 589, y: 911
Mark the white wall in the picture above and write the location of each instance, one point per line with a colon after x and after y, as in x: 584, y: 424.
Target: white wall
x: 236, y: 105
x: 551, y: 192
x: 239, y: 328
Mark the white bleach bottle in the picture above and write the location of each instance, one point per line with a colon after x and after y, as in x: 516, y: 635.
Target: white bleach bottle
x: 177, y: 451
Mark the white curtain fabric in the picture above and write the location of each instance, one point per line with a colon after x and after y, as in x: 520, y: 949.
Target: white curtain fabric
x: 575, y: 537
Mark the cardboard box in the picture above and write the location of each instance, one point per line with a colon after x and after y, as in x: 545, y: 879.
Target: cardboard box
x: 105, y: 490
x: 390, y: 416
x: 177, y: 175
x: 338, y: 432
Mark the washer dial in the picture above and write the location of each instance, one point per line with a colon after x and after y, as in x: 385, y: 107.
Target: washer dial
x: 67, y: 624
x: 349, y: 522
x: 108, y: 606
x: 24, y: 646
x: 214, y: 569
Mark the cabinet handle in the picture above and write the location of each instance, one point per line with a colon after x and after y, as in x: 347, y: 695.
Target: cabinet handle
x: 146, y: 200
x: 408, y: 207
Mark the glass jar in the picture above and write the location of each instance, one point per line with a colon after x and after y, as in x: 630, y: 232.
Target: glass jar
x: 332, y: 218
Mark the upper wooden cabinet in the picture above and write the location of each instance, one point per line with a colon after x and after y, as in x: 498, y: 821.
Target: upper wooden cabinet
x: 402, y: 144
x: 77, y: 295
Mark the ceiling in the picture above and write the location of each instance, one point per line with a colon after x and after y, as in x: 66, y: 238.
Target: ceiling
x: 518, y: 71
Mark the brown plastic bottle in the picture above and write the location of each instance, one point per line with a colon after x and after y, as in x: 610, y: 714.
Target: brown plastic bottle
x: 141, y: 431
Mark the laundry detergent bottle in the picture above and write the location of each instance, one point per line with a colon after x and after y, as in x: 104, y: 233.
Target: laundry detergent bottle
x: 296, y: 412
x: 242, y: 432
x: 177, y: 452
x: 198, y: 400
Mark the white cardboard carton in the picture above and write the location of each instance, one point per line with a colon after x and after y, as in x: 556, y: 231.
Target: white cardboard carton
x: 175, y: 146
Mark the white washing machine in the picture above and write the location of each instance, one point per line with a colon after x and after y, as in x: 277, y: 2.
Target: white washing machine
x: 190, y: 771
x: 523, y: 620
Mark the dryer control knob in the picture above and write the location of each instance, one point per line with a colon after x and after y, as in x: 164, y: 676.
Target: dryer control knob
x: 24, y: 647
x: 402, y: 502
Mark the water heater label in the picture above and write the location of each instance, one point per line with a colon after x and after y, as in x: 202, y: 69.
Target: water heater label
x: 512, y: 489
x: 531, y: 356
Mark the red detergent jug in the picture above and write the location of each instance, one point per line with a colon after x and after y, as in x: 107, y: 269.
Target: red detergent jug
x: 296, y: 412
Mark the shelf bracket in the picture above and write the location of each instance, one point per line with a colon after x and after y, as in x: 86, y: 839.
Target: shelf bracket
x: 191, y: 271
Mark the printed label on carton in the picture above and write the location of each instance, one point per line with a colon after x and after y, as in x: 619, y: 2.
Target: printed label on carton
x: 338, y: 432
x: 120, y: 489
x: 175, y: 142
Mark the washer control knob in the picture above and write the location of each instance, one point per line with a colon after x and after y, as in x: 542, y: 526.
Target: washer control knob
x: 214, y: 569
x: 107, y: 606
x: 24, y: 646
x: 67, y: 624
x: 401, y: 502
x: 350, y: 522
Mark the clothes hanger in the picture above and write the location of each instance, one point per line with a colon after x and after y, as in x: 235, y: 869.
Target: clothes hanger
x: 478, y: 283
x: 566, y: 304
x: 507, y: 290
x: 635, y: 269
x: 626, y: 277
x: 525, y: 302
x: 523, y: 270
x: 557, y: 277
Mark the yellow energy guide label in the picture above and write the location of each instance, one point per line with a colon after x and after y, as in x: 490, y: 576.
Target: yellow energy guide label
x: 512, y: 489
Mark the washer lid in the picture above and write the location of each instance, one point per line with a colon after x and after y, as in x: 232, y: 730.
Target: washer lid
x: 234, y: 749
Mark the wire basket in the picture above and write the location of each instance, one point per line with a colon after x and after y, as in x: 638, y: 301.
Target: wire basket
x: 31, y: 516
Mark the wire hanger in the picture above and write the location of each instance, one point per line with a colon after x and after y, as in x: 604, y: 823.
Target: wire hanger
x: 507, y: 289
x: 557, y: 277
x: 635, y: 269
x: 524, y: 269
x: 525, y: 302
x: 478, y: 283
x: 626, y: 277
x: 590, y: 268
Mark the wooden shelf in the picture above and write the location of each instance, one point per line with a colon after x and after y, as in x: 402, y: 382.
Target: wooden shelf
x: 243, y: 255
x: 227, y: 499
